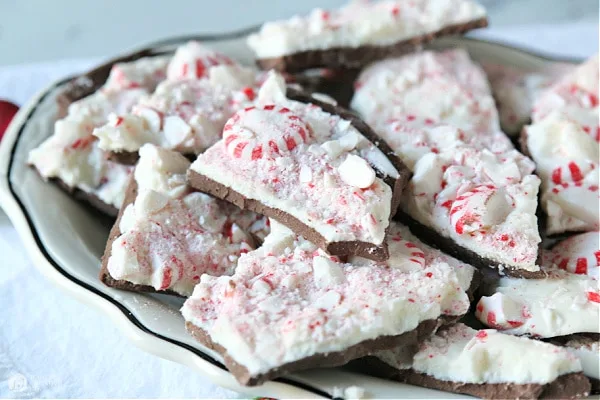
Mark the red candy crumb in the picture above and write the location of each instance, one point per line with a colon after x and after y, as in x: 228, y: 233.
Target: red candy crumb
x: 7, y: 112
x: 515, y: 324
x: 491, y: 318
x: 481, y: 335
x: 166, y: 278
x: 249, y: 92
x: 593, y: 297
x: 581, y: 266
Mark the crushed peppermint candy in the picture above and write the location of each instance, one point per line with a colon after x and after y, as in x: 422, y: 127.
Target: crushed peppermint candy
x: 296, y: 157
x: 578, y: 254
x: 72, y: 153
x: 289, y: 300
x: 455, y: 88
x: 171, y: 236
x: 485, y: 202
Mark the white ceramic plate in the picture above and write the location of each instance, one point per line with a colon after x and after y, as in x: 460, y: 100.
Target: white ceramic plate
x: 66, y: 242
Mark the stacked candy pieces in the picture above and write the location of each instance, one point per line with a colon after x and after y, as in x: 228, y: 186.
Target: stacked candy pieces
x: 188, y: 110
x: 563, y: 141
x: 564, y: 307
x: 72, y: 155
x: 341, y: 280
x: 464, y: 360
x: 168, y: 236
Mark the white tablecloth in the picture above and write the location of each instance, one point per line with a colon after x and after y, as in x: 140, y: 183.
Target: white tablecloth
x: 54, y: 346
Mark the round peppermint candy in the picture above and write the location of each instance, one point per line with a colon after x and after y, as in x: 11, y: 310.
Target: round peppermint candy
x: 479, y: 208
x: 269, y: 131
x: 579, y: 254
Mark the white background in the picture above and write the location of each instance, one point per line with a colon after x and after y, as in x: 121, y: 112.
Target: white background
x: 50, y: 344
x: 37, y: 30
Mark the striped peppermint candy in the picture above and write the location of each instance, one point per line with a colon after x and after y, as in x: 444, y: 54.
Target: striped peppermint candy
x: 572, y: 172
x: 579, y: 254
x: 574, y: 188
x: 405, y: 255
x: 501, y: 312
x: 269, y: 131
x: 479, y: 208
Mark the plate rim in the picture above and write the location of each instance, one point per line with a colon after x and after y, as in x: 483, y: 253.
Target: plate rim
x: 133, y: 329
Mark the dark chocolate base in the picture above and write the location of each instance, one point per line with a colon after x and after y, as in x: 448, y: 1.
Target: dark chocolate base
x: 338, y: 84
x: 447, y: 245
x: 88, y: 199
x: 359, y: 57
x: 321, y: 360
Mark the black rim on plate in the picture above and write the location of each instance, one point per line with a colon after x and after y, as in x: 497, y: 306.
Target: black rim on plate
x: 123, y: 309
x: 128, y: 314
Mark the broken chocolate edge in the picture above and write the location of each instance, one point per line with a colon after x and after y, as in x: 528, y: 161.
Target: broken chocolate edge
x: 333, y: 359
x: 115, y: 232
x: 434, y: 239
x: 352, y: 58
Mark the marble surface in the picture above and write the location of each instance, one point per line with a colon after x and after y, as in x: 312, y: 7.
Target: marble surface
x: 40, y: 30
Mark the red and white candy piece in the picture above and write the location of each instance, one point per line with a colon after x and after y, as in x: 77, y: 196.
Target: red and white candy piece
x: 479, y: 208
x: 501, y: 312
x: 405, y: 255
x: 269, y: 131
x: 7, y: 112
x: 579, y: 254
x: 578, y: 199
x: 572, y: 172
x: 153, y: 117
x: 193, y: 60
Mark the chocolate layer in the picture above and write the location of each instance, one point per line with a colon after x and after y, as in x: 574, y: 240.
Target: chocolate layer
x: 359, y: 248
x: 578, y: 340
x: 87, y: 83
x: 447, y: 245
x: 359, y: 57
x: 569, y: 386
x: 320, y: 360
x: 339, y: 84
x: 88, y: 199
x: 115, y: 232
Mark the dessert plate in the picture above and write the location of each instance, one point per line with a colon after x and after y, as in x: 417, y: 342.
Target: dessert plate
x: 66, y: 240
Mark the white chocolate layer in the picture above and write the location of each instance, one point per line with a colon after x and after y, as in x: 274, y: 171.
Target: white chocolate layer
x: 289, y: 300
x: 361, y: 23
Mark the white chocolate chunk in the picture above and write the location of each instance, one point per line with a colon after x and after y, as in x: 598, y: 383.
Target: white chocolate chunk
x: 149, y: 202
x: 305, y: 174
x: 327, y: 272
x: 329, y: 300
x: 176, y: 130
x: 151, y: 116
x: 507, y: 313
x: 333, y: 148
x: 355, y: 171
x: 260, y: 287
